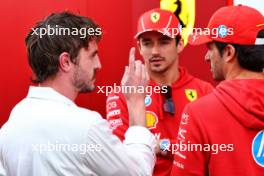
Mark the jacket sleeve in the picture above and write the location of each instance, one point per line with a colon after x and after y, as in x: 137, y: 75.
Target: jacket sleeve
x: 2, y: 170
x: 134, y: 157
x: 117, y: 114
x: 191, y: 135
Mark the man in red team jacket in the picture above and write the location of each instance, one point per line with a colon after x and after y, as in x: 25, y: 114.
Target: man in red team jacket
x: 222, y: 133
x: 159, y: 43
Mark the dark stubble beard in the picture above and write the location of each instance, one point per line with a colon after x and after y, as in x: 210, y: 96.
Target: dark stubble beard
x: 81, y: 85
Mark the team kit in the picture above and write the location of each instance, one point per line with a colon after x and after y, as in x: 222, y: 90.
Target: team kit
x: 160, y: 120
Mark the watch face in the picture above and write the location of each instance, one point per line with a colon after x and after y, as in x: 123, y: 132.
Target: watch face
x: 165, y: 145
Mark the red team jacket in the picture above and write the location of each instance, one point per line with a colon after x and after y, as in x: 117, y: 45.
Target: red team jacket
x: 230, y: 121
x: 163, y: 125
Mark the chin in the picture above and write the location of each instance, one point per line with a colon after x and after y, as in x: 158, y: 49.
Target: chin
x: 217, y: 78
x: 87, y: 89
x: 158, y: 69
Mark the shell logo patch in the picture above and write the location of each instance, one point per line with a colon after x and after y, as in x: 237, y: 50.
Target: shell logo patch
x: 155, y: 16
x: 191, y: 94
x: 151, y: 119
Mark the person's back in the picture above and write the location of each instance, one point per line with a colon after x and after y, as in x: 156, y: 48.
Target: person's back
x: 228, y: 125
x: 55, y: 131
x: 223, y: 131
x: 56, y: 137
x: 47, y: 134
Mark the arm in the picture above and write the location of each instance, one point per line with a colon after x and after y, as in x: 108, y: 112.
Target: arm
x: 128, y: 108
x: 191, y: 131
x: 2, y: 170
x: 2, y: 167
x: 134, y: 157
x: 117, y: 114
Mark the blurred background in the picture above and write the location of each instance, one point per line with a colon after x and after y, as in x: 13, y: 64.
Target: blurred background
x: 118, y: 20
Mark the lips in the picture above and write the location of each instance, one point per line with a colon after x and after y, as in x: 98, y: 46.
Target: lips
x: 155, y: 60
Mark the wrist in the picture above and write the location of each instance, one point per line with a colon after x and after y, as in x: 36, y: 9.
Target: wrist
x: 137, y: 113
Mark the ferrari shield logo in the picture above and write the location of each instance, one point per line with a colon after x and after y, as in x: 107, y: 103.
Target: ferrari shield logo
x: 185, y: 12
x: 191, y: 94
x: 155, y: 16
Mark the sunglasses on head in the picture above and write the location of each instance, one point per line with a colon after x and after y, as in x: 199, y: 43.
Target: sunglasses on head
x: 168, y: 105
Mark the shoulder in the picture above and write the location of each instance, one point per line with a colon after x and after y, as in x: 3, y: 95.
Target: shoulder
x: 87, y: 115
x: 193, y: 82
x: 201, y: 83
x: 203, y: 106
x: 201, y: 86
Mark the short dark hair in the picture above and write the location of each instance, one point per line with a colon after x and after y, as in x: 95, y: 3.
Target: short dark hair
x: 250, y: 57
x: 44, y: 51
x: 177, y: 39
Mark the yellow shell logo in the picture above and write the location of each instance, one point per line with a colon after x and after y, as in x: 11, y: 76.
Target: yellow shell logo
x: 191, y: 94
x: 185, y: 12
x: 151, y: 119
x: 155, y: 16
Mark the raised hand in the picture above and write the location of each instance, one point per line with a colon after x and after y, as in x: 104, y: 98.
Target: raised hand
x: 135, y: 78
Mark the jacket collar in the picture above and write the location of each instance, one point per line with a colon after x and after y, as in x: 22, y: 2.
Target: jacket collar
x: 48, y: 93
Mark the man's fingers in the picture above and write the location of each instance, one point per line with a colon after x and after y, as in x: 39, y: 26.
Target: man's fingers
x: 132, y: 60
x: 143, y: 73
x: 125, y: 76
x: 138, y: 69
x: 147, y: 75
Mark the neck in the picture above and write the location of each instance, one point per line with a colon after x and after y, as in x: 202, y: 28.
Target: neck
x: 61, y: 86
x: 244, y: 74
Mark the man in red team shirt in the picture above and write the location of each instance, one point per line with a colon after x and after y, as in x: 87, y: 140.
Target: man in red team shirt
x: 159, y: 43
x: 227, y: 125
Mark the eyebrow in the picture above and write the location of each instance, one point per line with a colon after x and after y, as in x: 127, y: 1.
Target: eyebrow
x: 165, y: 38
x: 145, y: 39
x: 94, y: 52
x: 209, y: 45
x: 162, y: 38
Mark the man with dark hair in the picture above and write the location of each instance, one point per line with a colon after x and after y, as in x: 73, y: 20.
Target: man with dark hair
x: 171, y: 87
x: 48, y: 134
x: 222, y: 133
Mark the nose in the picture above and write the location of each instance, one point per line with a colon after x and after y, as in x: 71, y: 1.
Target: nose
x: 98, y: 63
x: 155, y: 50
x: 207, y: 56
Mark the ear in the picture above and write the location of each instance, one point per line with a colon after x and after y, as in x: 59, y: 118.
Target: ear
x: 180, y: 46
x: 65, y: 63
x: 229, y: 53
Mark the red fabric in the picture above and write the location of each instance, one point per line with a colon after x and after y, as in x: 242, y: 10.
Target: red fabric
x: 164, y: 126
x: 231, y: 18
x: 159, y: 20
x: 231, y: 116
